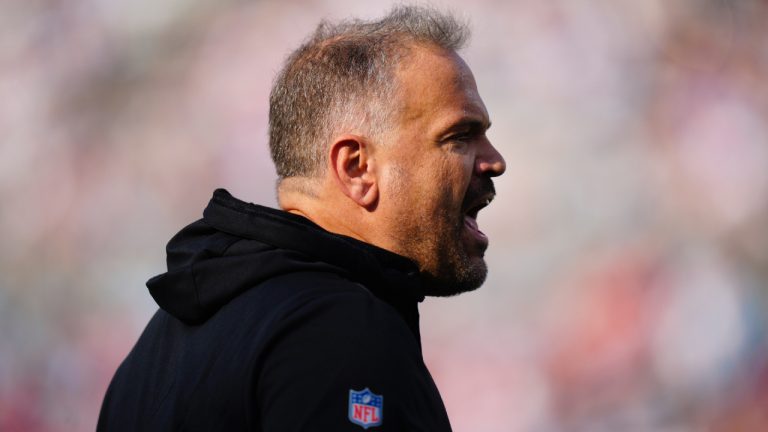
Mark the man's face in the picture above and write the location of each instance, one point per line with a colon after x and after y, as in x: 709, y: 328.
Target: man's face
x: 436, y: 170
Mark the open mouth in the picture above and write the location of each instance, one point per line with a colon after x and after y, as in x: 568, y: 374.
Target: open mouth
x: 470, y: 216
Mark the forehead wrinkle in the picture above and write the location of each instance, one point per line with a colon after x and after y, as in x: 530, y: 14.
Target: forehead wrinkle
x: 436, y: 89
x: 418, y: 96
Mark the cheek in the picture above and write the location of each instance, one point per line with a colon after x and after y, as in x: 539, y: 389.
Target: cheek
x: 393, y: 181
x: 436, y: 186
x: 456, y: 175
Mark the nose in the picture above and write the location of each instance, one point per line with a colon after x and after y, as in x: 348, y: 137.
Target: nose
x: 489, y: 162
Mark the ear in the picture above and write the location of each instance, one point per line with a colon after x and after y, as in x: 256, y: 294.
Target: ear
x: 352, y: 167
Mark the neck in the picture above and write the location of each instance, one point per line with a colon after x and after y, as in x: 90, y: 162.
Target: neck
x: 332, y: 212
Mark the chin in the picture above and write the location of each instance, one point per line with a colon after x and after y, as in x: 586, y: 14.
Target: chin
x: 465, y: 277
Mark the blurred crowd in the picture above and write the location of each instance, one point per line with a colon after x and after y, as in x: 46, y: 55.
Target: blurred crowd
x: 628, y: 285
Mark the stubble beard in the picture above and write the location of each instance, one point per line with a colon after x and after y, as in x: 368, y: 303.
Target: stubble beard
x: 447, y: 267
x: 455, y: 270
x: 437, y: 246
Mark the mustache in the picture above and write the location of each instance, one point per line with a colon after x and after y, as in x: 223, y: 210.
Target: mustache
x: 479, y: 187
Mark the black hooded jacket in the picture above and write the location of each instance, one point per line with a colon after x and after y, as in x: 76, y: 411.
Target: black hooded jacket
x: 267, y: 322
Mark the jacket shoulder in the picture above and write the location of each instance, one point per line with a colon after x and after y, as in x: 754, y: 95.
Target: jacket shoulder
x: 336, y: 338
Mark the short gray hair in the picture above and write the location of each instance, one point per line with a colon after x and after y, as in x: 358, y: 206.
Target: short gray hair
x: 342, y: 79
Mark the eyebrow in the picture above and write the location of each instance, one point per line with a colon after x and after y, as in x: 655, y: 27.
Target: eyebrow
x: 469, y: 123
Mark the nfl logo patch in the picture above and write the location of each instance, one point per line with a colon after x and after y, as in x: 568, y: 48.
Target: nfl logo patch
x: 366, y: 408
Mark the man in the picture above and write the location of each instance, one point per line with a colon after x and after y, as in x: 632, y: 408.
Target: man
x: 306, y: 318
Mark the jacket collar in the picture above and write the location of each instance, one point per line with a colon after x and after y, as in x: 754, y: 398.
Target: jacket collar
x: 386, y: 273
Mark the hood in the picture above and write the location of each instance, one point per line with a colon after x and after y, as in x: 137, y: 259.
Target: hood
x: 237, y: 245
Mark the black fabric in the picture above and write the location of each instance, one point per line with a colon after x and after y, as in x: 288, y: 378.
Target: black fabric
x: 266, y: 323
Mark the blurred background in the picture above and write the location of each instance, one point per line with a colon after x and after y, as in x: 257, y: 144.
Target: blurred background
x: 629, y: 241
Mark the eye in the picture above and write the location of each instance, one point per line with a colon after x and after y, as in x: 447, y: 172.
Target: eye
x: 458, y: 142
x: 461, y: 137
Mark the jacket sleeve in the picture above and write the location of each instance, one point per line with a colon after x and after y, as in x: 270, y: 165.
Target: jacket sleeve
x: 327, y: 352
